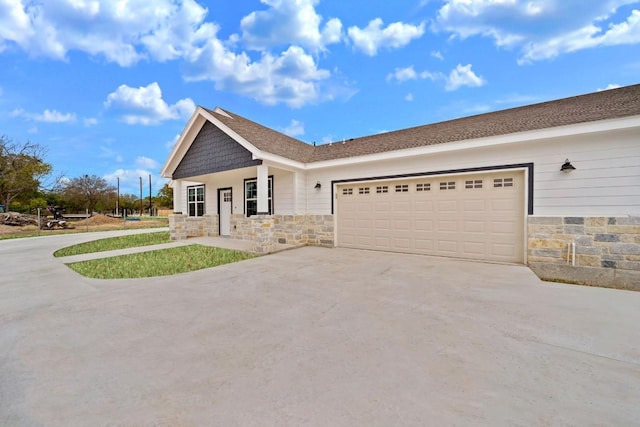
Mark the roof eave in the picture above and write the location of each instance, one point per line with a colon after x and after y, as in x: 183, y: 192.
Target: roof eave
x: 512, y: 138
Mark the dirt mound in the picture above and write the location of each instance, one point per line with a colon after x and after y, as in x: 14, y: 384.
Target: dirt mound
x: 101, y: 220
x: 17, y: 219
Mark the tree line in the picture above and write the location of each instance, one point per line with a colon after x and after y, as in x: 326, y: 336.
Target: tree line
x: 26, y: 184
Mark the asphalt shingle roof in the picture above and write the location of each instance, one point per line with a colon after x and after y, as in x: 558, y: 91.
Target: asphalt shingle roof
x: 608, y: 104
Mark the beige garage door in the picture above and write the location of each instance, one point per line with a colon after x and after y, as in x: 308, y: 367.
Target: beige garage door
x: 467, y: 216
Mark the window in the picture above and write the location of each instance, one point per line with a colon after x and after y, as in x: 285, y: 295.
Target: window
x: 347, y: 191
x: 476, y: 183
x: 363, y: 190
x: 251, y: 196
x: 382, y: 189
x: 423, y: 187
x: 449, y: 185
x: 503, y: 182
x: 402, y: 188
x: 195, y: 200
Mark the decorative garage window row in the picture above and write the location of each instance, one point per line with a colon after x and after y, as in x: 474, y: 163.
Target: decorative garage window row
x: 426, y: 186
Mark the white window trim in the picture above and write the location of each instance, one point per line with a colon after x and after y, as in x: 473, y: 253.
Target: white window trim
x: 196, y: 202
x: 270, y: 197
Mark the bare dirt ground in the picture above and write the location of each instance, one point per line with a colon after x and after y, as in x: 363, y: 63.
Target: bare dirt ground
x: 95, y: 223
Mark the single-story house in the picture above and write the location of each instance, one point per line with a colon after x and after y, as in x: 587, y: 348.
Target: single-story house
x: 554, y: 185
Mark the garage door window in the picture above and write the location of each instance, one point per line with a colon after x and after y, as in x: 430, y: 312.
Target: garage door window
x: 404, y: 188
x: 449, y: 185
x: 423, y: 187
x: 347, y: 191
x: 382, y: 189
x: 476, y: 183
x: 503, y: 182
x: 363, y: 190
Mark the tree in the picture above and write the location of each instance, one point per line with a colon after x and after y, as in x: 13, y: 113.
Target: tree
x: 164, y: 199
x: 87, y: 191
x: 22, y: 167
x: 130, y: 202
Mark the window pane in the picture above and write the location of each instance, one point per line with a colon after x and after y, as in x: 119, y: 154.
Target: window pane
x: 192, y: 209
x: 252, y: 207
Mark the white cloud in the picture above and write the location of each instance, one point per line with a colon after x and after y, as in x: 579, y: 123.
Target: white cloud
x: 47, y: 116
x: 146, y: 163
x: 123, y: 32
x: 437, y: 54
x: 590, y: 36
x: 286, y: 21
x: 90, y: 121
x: 373, y: 37
x: 403, y: 74
x: 170, y: 144
x: 144, y: 105
x: 130, y: 180
x: 542, y: 29
x: 610, y: 86
x: 127, y: 32
x: 409, y: 97
x: 463, y: 76
x: 294, y: 129
x: 292, y: 78
x: 408, y: 73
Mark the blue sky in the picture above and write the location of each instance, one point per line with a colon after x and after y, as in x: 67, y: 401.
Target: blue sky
x: 107, y: 86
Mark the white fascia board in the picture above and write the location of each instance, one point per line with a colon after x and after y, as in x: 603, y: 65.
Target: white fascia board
x: 512, y: 138
x: 180, y: 145
x: 256, y: 154
x: 237, y: 138
x: 279, y: 161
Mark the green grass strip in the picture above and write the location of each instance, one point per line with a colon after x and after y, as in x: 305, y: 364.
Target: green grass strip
x: 162, y: 262
x: 114, y: 243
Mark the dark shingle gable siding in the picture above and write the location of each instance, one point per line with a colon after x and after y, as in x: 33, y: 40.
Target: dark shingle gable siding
x: 213, y: 151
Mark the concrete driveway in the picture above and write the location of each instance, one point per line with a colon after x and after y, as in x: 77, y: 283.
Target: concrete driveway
x: 312, y: 336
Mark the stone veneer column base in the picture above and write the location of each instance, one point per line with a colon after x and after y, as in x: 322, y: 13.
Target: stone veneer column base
x: 177, y: 227
x: 607, y: 250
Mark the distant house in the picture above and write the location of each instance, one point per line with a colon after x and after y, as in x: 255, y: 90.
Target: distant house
x: 554, y: 185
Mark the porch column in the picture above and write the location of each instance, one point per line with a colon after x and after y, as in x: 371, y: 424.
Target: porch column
x: 177, y: 196
x: 263, y: 189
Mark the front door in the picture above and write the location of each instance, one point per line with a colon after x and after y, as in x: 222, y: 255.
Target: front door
x: 224, y: 204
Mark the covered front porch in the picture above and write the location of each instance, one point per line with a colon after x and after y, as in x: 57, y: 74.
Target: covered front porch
x: 263, y: 204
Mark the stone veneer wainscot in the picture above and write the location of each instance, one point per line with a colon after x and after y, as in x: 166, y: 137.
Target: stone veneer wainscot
x: 607, y: 251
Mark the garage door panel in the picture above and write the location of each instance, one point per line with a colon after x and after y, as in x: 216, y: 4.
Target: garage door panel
x: 478, y: 216
x: 424, y: 206
x: 450, y: 206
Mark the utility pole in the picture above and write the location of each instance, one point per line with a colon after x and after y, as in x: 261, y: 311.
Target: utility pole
x: 118, y: 197
x: 141, y: 197
x: 150, y: 210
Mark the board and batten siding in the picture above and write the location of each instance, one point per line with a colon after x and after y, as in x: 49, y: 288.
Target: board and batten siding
x: 606, y: 180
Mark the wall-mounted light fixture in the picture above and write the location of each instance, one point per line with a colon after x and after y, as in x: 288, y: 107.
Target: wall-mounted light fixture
x: 567, y: 166
x: 318, y: 185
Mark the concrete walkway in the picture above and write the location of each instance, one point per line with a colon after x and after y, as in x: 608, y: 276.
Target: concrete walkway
x: 218, y: 242
x: 312, y: 337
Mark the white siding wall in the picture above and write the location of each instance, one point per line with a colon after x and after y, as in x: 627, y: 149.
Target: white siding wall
x: 180, y: 203
x: 283, y: 192
x: 300, y: 188
x: 606, y: 180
